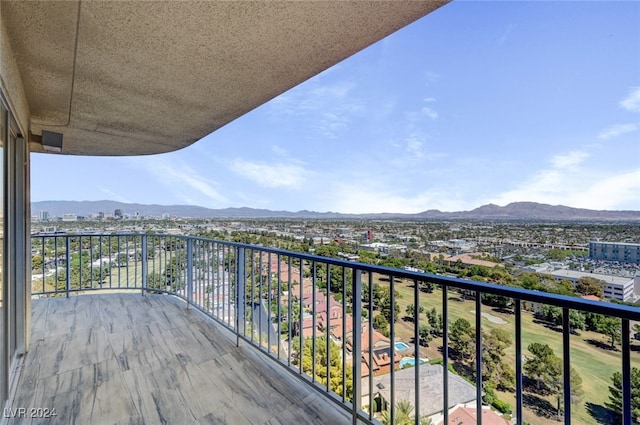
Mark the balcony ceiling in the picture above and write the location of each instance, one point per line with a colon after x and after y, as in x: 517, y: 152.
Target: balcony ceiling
x: 134, y: 78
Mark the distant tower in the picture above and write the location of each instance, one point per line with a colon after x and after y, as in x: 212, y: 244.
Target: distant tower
x: 118, y: 213
x: 43, y: 216
x: 370, y: 235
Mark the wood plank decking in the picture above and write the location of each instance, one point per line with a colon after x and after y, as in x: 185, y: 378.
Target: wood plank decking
x: 130, y: 359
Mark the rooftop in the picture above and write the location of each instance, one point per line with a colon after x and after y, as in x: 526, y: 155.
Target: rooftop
x: 575, y: 274
x: 431, y: 391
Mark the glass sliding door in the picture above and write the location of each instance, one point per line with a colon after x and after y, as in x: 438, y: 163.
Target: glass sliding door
x: 4, y: 363
x: 14, y: 238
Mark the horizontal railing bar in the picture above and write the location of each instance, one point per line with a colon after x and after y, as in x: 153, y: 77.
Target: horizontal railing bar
x: 575, y: 303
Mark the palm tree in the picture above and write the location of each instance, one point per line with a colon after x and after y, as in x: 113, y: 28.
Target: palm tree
x: 403, y: 415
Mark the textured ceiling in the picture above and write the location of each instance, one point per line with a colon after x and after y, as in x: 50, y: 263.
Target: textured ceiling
x: 131, y: 78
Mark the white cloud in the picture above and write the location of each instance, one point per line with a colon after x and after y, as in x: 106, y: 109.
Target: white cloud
x: 431, y: 113
x: 619, y: 191
x: 632, y: 102
x: 357, y: 197
x: 183, y: 180
x: 569, y: 160
x: 617, y: 130
x: 414, y: 151
x: 431, y: 77
x: 279, y: 150
x: 414, y: 147
x: 271, y: 175
x: 315, y: 96
x: 330, y: 124
x: 326, y: 107
x: 568, y: 183
x: 337, y: 90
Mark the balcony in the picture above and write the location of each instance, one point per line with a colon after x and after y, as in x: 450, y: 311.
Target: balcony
x: 133, y: 359
x: 176, y: 329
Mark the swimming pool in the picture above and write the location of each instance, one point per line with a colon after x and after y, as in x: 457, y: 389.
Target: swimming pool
x: 400, y: 346
x: 410, y: 361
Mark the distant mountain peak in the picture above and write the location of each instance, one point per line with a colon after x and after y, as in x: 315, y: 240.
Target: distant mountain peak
x: 512, y: 211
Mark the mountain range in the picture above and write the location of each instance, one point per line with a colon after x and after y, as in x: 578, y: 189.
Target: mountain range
x: 513, y: 211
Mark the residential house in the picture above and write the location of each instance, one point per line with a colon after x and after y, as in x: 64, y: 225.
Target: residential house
x: 430, y: 384
x: 468, y: 415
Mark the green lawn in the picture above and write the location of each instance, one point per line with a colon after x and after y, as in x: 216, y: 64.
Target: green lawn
x: 595, y: 365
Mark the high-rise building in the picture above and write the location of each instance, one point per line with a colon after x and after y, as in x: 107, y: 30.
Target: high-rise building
x: 43, y: 216
x: 117, y: 213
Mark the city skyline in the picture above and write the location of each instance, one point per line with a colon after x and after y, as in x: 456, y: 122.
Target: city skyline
x: 476, y: 103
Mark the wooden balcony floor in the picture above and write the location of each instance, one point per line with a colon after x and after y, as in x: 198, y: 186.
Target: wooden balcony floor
x: 132, y: 359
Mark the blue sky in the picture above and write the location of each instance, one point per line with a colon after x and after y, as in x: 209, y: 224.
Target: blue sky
x: 478, y: 102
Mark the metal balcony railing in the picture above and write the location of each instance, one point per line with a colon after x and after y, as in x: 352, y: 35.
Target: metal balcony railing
x: 316, y: 316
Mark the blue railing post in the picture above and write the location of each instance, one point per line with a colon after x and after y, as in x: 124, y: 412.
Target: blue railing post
x: 445, y: 354
x: 356, y: 312
x: 626, y: 375
x: 518, y: 311
x: 240, y: 303
x: 479, y: 344
x: 566, y: 367
x: 68, y: 264
x: 145, y: 263
x: 189, y: 271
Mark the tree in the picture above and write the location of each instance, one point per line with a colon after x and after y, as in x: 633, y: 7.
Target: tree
x: 435, y: 322
x: 494, y: 367
x: 553, y: 378
x: 404, y: 415
x: 536, y: 366
x: 461, y: 338
x: 295, y: 317
x: 587, y: 285
x: 156, y: 280
x: 385, y: 305
x: 424, y: 332
x: 381, y: 324
x: 551, y: 314
x: 122, y: 259
x: 577, y: 320
x: 612, y: 327
x: 36, y: 263
x: 615, y: 396
x: 425, y: 286
x: 529, y: 281
x: 411, y: 311
x: 576, y: 386
x: 378, y: 294
x: 498, y: 301
x: 321, y: 360
x: 337, y: 281
x: 593, y: 321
